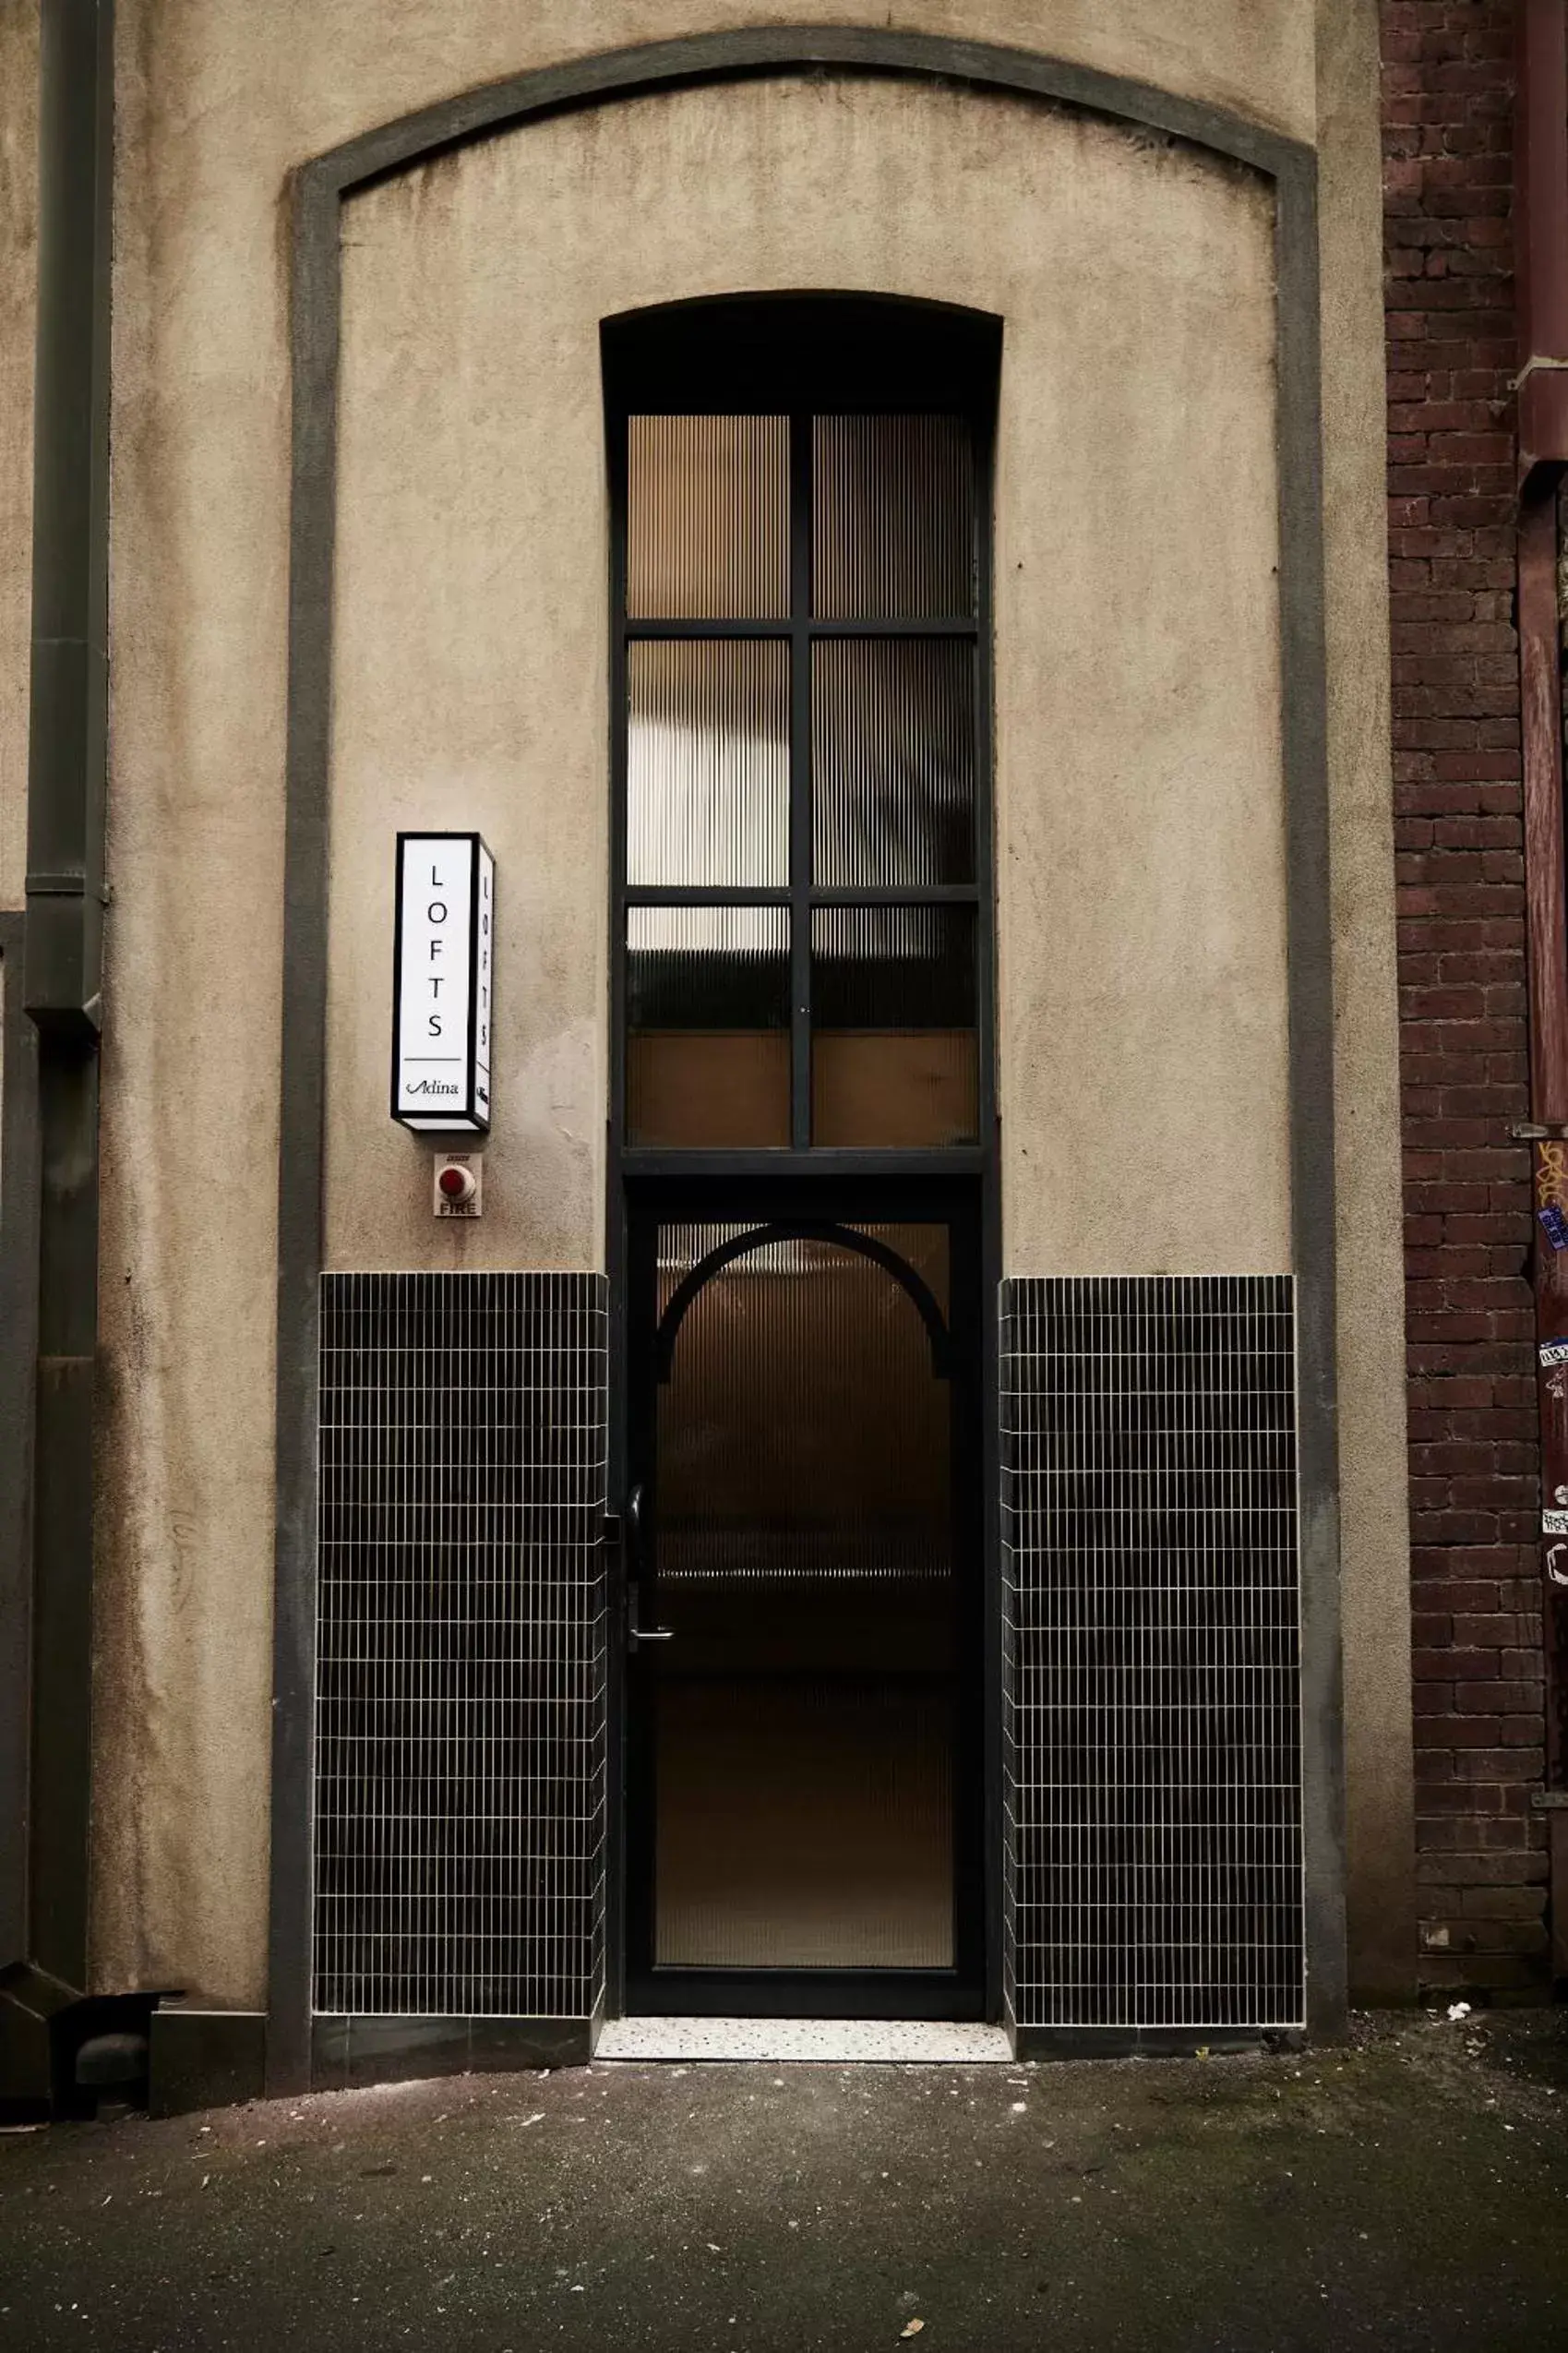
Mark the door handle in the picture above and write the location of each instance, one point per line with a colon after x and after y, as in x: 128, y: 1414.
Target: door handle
x: 634, y: 1632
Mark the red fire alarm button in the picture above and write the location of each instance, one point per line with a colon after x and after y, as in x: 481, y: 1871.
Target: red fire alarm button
x: 458, y: 1185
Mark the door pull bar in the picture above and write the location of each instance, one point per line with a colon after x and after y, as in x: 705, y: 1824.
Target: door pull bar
x: 633, y: 1523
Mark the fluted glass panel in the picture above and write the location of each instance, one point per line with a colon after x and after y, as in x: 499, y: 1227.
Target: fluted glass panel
x: 707, y: 517
x: 708, y: 762
x: 892, y: 762
x: 803, y: 1559
x: 707, y: 1019
x: 892, y: 511
x: 893, y: 1057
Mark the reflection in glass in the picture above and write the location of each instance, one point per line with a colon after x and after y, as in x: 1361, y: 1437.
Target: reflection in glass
x: 707, y: 517
x: 708, y: 762
x: 893, y: 1057
x: 892, y: 517
x: 892, y: 762
x: 707, y: 1019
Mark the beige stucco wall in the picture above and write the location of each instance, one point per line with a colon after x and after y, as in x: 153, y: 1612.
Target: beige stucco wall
x: 19, y: 265
x: 1141, y: 893
x: 216, y: 105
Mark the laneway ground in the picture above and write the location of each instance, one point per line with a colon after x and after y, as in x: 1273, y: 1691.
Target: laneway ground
x: 1410, y: 2190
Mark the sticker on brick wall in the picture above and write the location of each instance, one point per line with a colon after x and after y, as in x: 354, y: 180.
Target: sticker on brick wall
x: 1554, y: 1523
x: 1555, y: 1226
x: 1554, y: 1351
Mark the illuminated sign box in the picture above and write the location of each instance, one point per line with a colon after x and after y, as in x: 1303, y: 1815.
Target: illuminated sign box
x: 446, y: 929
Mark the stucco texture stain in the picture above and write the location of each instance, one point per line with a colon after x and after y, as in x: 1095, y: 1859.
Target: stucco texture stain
x: 1139, y: 823
x: 188, y: 1132
x: 1374, y: 1528
x: 18, y: 276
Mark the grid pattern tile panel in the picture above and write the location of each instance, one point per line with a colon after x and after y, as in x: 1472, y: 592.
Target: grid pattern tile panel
x: 1151, y: 1710
x: 460, y: 1658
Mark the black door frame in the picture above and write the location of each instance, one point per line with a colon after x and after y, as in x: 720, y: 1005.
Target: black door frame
x: 885, y: 346
x: 963, y: 1991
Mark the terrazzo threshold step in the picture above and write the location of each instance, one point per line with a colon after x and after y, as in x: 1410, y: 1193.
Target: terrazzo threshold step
x: 911, y: 2042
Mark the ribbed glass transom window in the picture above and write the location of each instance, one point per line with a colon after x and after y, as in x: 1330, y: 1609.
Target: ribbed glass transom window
x: 801, y: 603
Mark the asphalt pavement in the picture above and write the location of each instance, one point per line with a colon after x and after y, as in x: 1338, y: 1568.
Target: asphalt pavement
x: 1407, y: 2191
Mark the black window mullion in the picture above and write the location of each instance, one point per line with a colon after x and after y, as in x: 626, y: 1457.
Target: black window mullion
x: 697, y: 625
x: 888, y: 626
x: 705, y: 895
x: 800, y: 777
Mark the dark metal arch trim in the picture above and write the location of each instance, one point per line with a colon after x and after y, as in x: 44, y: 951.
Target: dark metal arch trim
x: 318, y: 189
x: 865, y: 1245
x: 767, y: 49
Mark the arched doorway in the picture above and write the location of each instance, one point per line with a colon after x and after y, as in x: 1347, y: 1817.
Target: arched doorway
x: 803, y: 1609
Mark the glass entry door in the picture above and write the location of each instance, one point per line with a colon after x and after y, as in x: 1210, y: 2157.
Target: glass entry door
x: 801, y: 1676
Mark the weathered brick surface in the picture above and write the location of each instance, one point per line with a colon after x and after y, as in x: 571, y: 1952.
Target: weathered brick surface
x: 1474, y: 1496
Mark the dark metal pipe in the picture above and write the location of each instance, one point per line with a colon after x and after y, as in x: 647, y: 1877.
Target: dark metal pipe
x: 1541, y: 728
x: 62, y: 957
x: 1541, y: 149
x: 1540, y: 188
x: 18, y: 1355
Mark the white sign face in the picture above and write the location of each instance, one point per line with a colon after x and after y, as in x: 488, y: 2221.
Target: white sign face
x: 444, y: 946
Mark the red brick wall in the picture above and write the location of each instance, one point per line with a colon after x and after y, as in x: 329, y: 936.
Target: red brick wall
x: 1474, y: 1498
